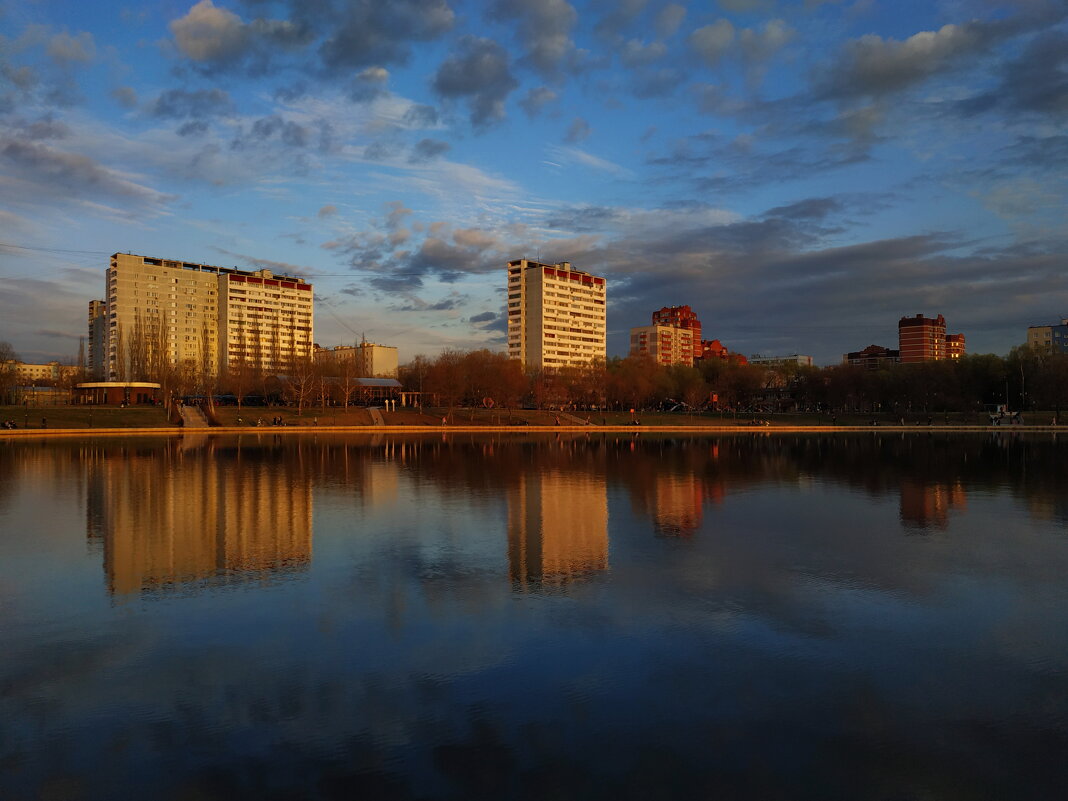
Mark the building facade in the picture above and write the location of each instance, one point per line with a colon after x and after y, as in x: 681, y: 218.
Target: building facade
x: 163, y: 313
x: 685, y: 318
x: 1050, y: 338
x: 664, y: 344
x: 556, y: 315
x: 367, y: 360
x: 955, y: 346
x: 714, y: 349
x: 96, y: 364
x: 923, y: 339
x: 873, y: 357
x: 266, y: 320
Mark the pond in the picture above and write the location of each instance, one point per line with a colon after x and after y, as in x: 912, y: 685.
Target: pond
x: 451, y: 616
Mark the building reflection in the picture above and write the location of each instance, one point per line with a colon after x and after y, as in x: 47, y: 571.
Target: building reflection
x: 169, y: 519
x: 557, y: 528
x: 927, y: 505
x: 677, y: 505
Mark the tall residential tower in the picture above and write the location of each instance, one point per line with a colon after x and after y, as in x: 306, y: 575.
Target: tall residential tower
x: 556, y: 314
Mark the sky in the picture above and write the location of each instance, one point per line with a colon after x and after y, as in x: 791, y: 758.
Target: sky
x: 802, y: 173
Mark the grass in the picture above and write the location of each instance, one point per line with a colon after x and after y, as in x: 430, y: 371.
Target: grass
x: 85, y: 416
x: 60, y: 417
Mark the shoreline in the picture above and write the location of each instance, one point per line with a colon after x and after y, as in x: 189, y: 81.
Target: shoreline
x: 517, y: 429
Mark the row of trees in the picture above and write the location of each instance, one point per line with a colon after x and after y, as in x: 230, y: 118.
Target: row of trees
x: 1025, y: 379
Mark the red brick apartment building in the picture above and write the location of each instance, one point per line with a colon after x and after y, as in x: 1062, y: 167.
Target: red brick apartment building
x: 923, y: 339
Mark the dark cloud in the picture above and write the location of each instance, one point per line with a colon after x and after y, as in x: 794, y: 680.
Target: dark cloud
x: 445, y: 304
x: 484, y: 317
x: 420, y: 116
x: 381, y: 151
x: 872, y: 66
x: 578, y: 130
x: 815, y: 208
x: 368, y: 33
x: 328, y: 210
x: 620, y: 17
x: 544, y: 29
x: 427, y: 150
x: 179, y: 104
x: 646, y: 83
x: 72, y: 175
x: 713, y: 42
x: 1035, y: 82
x: 536, y: 99
x: 586, y: 218
x: 275, y: 129
x: 193, y: 128
x: 477, y: 72
x: 46, y: 127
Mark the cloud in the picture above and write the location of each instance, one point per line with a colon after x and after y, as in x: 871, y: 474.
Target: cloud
x: 574, y: 155
x: 67, y: 175
x: 373, y: 33
x: 420, y: 116
x: 873, y: 66
x: 427, y: 150
x: 745, y: 6
x: 368, y: 84
x: 636, y: 53
x: 477, y: 72
x: 66, y: 49
x: 668, y: 20
x: 712, y: 42
x: 328, y: 210
x: 273, y: 128
x: 544, y: 28
x: 578, y: 130
x: 1035, y: 82
x: 536, y: 99
x: 218, y: 39
x: 179, y: 104
x: 484, y: 317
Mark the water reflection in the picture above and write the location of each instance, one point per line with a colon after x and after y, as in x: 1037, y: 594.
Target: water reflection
x: 592, y: 617
x: 557, y: 528
x: 169, y: 513
x: 185, y: 515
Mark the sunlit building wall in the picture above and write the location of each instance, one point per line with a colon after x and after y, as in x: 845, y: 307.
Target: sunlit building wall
x: 556, y: 315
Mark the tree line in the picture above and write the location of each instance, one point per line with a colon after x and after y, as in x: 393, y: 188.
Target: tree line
x: 1026, y: 379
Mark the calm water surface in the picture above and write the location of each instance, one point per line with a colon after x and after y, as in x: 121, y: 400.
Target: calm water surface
x: 459, y: 617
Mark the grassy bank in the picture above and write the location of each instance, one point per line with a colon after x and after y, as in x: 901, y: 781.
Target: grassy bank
x: 38, y: 417
x: 89, y: 417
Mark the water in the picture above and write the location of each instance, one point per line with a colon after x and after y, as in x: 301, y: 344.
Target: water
x: 456, y: 617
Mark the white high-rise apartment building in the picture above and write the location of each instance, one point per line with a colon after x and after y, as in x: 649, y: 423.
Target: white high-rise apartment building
x: 556, y: 314
x: 182, y: 314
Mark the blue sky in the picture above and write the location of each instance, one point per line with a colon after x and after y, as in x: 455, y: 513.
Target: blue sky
x: 802, y: 173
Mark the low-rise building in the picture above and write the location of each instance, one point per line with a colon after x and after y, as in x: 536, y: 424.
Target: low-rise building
x: 1050, y: 338
x: 873, y: 357
x: 367, y: 359
x: 26, y: 373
